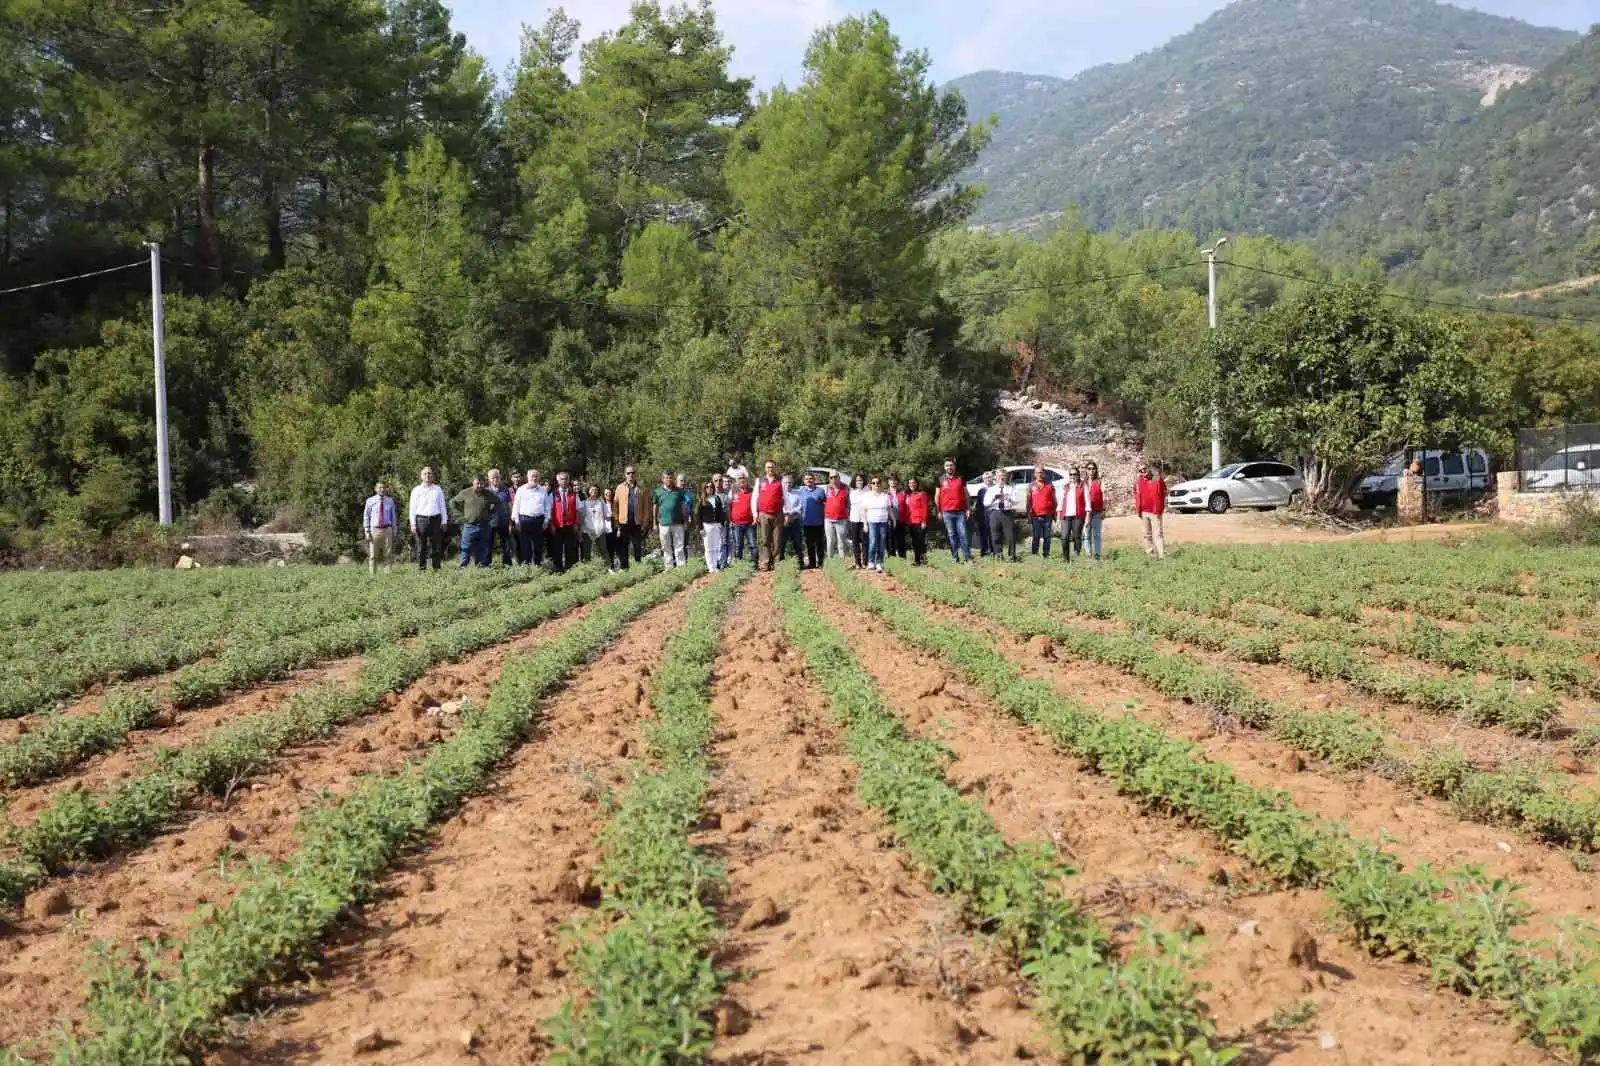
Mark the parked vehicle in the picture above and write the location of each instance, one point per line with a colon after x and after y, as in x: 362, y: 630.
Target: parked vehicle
x: 1442, y: 471
x: 823, y: 473
x: 1575, y: 466
x: 1262, y: 485
x: 1018, y: 477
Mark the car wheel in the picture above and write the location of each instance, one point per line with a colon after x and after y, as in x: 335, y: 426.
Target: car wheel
x: 1219, y: 503
x: 1297, y: 497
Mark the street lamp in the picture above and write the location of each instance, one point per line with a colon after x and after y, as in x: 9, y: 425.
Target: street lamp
x: 1211, y: 303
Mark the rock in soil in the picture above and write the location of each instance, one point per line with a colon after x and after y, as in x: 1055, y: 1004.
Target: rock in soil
x: 1292, y: 763
x: 762, y: 912
x: 997, y: 999
x: 367, y: 1040
x: 1569, y: 763
x: 732, y: 1019
x: 47, y: 903
x: 1040, y: 647
x: 1303, y: 949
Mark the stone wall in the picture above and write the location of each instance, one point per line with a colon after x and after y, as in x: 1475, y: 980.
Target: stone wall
x: 1530, y: 508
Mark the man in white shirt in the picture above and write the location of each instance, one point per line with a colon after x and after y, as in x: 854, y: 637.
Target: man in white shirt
x: 997, y: 512
x: 528, y: 512
x: 736, y: 469
x: 428, y: 513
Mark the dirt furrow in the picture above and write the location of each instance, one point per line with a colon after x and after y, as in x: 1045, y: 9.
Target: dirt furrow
x: 1419, y: 830
x: 466, y: 952
x: 856, y: 960
x: 155, y: 890
x: 174, y: 729
x: 1138, y: 866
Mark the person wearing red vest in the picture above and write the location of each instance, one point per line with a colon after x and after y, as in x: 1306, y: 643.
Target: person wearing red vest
x: 914, y: 515
x: 769, y: 515
x: 1150, y: 504
x: 742, y: 519
x: 563, y: 539
x: 1041, y: 510
x: 1073, y: 508
x: 953, y: 505
x: 836, y: 516
x: 1095, y: 497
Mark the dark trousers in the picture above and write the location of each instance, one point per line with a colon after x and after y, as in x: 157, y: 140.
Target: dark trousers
x: 897, y: 540
x: 1072, y: 540
x: 813, y: 556
x: 985, y: 542
x: 1042, y: 531
x: 789, y: 540
x: 919, y: 545
x: 530, y: 541
x: 629, y: 534
x: 430, y: 541
x: 1002, y: 532
x: 503, y: 536
x: 563, y: 545
x: 858, y: 542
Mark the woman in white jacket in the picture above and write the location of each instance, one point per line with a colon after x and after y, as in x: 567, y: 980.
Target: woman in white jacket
x: 858, y: 519
x: 595, y: 527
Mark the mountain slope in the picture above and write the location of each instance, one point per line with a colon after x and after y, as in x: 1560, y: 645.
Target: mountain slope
x: 1269, y: 116
x: 1511, y: 201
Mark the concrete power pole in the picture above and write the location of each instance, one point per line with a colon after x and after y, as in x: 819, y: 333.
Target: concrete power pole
x: 158, y: 327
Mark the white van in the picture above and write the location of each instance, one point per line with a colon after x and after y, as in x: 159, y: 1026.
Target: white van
x: 1576, y: 466
x: 1442, y: 471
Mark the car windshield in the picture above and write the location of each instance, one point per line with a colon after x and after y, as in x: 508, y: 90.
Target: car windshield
x: 1225, y: 473
x: 1397, y: 465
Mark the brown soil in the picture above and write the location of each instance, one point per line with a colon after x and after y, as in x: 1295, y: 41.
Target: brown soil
x: 864, y: 964
x: 467, y: 949
x: 1134, y: 866
x: 177, y: 728
x: 154, y: 890
x: 1419, y: 830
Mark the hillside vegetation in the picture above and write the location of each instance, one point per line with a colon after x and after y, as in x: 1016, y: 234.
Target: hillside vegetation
x: 1510, y: 202
x: 1269, y: 117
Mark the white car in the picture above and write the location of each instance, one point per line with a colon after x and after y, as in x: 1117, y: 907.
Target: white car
x: 1442, y: 471
x: 823, y: 473
x: 1019, y: 478
x: 1576, y: 466
x: 1262, y: 485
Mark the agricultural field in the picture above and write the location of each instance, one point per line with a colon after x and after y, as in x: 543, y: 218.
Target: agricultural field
x: 1300, y: 803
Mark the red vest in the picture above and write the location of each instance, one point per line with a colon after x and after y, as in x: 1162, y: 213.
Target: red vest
x: 916, y: 508
x: 564, y: 512
x: 1149, y: 495
x: 739, y: 508
x: 1042, y: 500
x: 1097, y: 497
x: 836, y: 504
x: 953, y: 495
x: 769, y: 497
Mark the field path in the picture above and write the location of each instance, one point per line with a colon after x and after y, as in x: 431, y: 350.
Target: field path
x: 154, y: 890
x: 1135, y: 865
x: 864, y: 963
x: 1419, y: 830
x: 467, y: 946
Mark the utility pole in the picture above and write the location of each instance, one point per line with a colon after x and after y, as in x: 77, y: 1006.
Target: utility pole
x: 158, y: 327
x: 1211, y: 303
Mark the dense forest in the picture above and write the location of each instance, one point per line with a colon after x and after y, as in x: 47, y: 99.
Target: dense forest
x: 378, y: 256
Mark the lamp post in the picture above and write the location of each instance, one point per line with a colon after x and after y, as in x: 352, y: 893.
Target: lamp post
x: 1211, y: 305
x: 159, y: 331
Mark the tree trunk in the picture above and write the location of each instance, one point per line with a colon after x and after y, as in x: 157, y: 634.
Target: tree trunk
x: 206, y: 209
x: 271, y: 194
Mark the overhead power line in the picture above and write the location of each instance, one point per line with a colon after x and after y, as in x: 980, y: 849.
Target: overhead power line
x: 1552, y: 316
x: 73, y: 277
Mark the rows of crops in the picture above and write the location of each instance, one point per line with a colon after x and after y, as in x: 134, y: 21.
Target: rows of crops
x: 1145, y: 681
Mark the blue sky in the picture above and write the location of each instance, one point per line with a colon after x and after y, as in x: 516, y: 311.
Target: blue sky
x: 1058, y: 37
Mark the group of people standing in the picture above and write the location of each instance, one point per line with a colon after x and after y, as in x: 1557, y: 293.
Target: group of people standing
x: 531, y: 520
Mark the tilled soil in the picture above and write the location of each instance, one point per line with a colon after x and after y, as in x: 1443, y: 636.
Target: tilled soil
x: 1135, y: 866
x: 466, y: 953
x: 858, y: 962
x: 155, y: 890
x: 1418, y: 830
